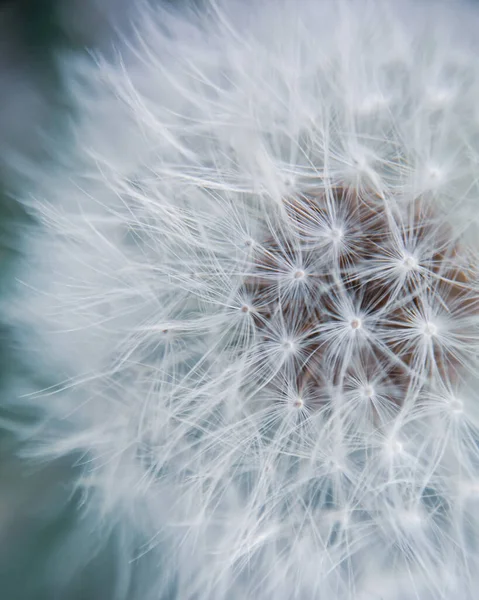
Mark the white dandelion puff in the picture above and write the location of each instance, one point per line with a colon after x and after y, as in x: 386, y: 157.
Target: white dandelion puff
x: 251, y: 290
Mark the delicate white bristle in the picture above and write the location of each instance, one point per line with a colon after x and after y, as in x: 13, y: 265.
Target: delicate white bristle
x: 249, y: 299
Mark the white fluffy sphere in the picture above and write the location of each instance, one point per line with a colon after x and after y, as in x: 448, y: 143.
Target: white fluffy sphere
x: 251, y: 290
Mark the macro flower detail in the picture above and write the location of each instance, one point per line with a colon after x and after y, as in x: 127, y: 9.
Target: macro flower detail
x: 367, y: 285
x: 252, y: 291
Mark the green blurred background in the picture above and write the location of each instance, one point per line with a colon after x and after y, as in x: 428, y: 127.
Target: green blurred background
x: 44, y: 550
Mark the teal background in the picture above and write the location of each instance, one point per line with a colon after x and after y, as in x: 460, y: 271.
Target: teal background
x: 46, y: 552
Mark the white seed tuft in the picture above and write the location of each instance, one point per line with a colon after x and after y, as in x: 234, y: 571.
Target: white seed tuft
x: 250, y: 299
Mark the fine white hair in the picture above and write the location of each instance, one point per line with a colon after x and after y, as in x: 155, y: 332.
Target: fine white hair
x: 248, y: 298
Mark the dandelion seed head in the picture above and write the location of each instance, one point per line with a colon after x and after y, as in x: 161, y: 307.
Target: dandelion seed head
x: 430, y: 329
x: 299, y: 402
x: 410, y: 262
x: 356, y: 324
x: 457, y: 405
x: 368, y: 391
x: 289, y: 345
x: 299, y: 274
x: 336, y: 234
x: 287, y: 256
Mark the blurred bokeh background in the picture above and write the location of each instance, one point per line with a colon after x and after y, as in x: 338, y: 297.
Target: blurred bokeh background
x: 40, y: 521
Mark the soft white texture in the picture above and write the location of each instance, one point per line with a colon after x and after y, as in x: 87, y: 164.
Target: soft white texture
x: 131, y: 301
